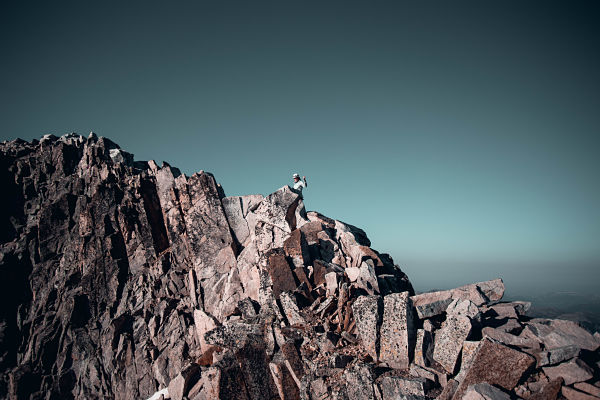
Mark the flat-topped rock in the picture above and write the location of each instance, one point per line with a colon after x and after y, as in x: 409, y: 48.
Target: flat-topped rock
x: 573, y: 371
x: 496, y: 364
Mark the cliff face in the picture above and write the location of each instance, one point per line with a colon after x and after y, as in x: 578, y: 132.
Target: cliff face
x: 104, y: 261
x: 124, y: 280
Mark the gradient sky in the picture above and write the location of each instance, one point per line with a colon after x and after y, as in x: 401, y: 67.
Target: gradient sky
x: 463, y: 137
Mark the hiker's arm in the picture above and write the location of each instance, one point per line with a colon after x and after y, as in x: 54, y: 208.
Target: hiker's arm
x: 305, y: 183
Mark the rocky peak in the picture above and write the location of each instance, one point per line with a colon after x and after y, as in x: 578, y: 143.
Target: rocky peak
x: 122, y: 279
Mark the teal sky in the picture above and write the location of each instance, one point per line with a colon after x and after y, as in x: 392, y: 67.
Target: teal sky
x: 463, y: 137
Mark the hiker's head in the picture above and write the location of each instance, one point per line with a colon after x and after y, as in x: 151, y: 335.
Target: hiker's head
x: 296, y: 177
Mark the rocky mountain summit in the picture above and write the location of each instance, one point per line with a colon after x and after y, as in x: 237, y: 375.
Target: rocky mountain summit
x: 121, y: 279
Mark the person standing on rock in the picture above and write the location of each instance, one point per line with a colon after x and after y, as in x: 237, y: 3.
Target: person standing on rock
x: 301, y: 217
x: 298, y: 184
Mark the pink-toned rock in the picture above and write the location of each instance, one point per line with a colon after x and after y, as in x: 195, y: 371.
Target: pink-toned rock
x: 181, y: 384
x: 549, y: 391
x: 449, y: 390
x: 352, y: 273
x: 203, y: 323
x: 573, y: 394
x: 510, y: 339
x: 587, y: 388
x: 573, y: 371
x: 331, y: 282
x: 281, y: 274
x: 434, y: 303
x: 495, y: 364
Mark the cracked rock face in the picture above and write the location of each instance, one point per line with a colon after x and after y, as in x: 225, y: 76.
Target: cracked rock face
x: 121, y: 279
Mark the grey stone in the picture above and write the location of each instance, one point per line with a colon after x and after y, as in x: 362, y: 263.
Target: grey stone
x: 449, y: 341
x: 557, y: 355
x: 463, y: 307
x: 394, y: 387
x: 290, y: 309
x: 559, y: 333
x: 398, y: 332
x: 359, y: 382
x: 367, y: 313
x: 513, y: 340
x: 367, y: 279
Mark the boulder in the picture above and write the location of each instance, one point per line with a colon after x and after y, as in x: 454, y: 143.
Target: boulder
x: 398, y: 331
x: 549, y: 391
x: 367, y: 279
x: 513, y: 309
x: 559, y: 333
x: 430, y: 304
x: 296, y: 247
x: 573, y: 394
x: 290, y: 309
x: 468, y: 352
x: 181, y: 384
x: 463, y: 307
x: 496, y: 364
x: 509, y: 339
x: 588, y: 388
x: 367, y: 311
x: 394, y: 387
x: 449, y: 341
x: 556, y: 355
x: 203, y: 323
x: 281, y: 275
x: 359, y: 382
x: 434, y: 303
x: 573, y: 371
x: 208, y: 386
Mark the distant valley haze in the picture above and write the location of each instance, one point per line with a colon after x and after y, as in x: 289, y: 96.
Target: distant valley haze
x: 463, y: 137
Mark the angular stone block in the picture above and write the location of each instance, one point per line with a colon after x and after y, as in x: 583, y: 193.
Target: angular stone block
x: 449, y: 341
x: 572, y: 372
x: 495, y: 364
x: 367, y: 312
x: 398, y: 333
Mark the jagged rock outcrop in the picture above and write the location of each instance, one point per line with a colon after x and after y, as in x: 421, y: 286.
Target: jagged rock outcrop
x: 122, y: 279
